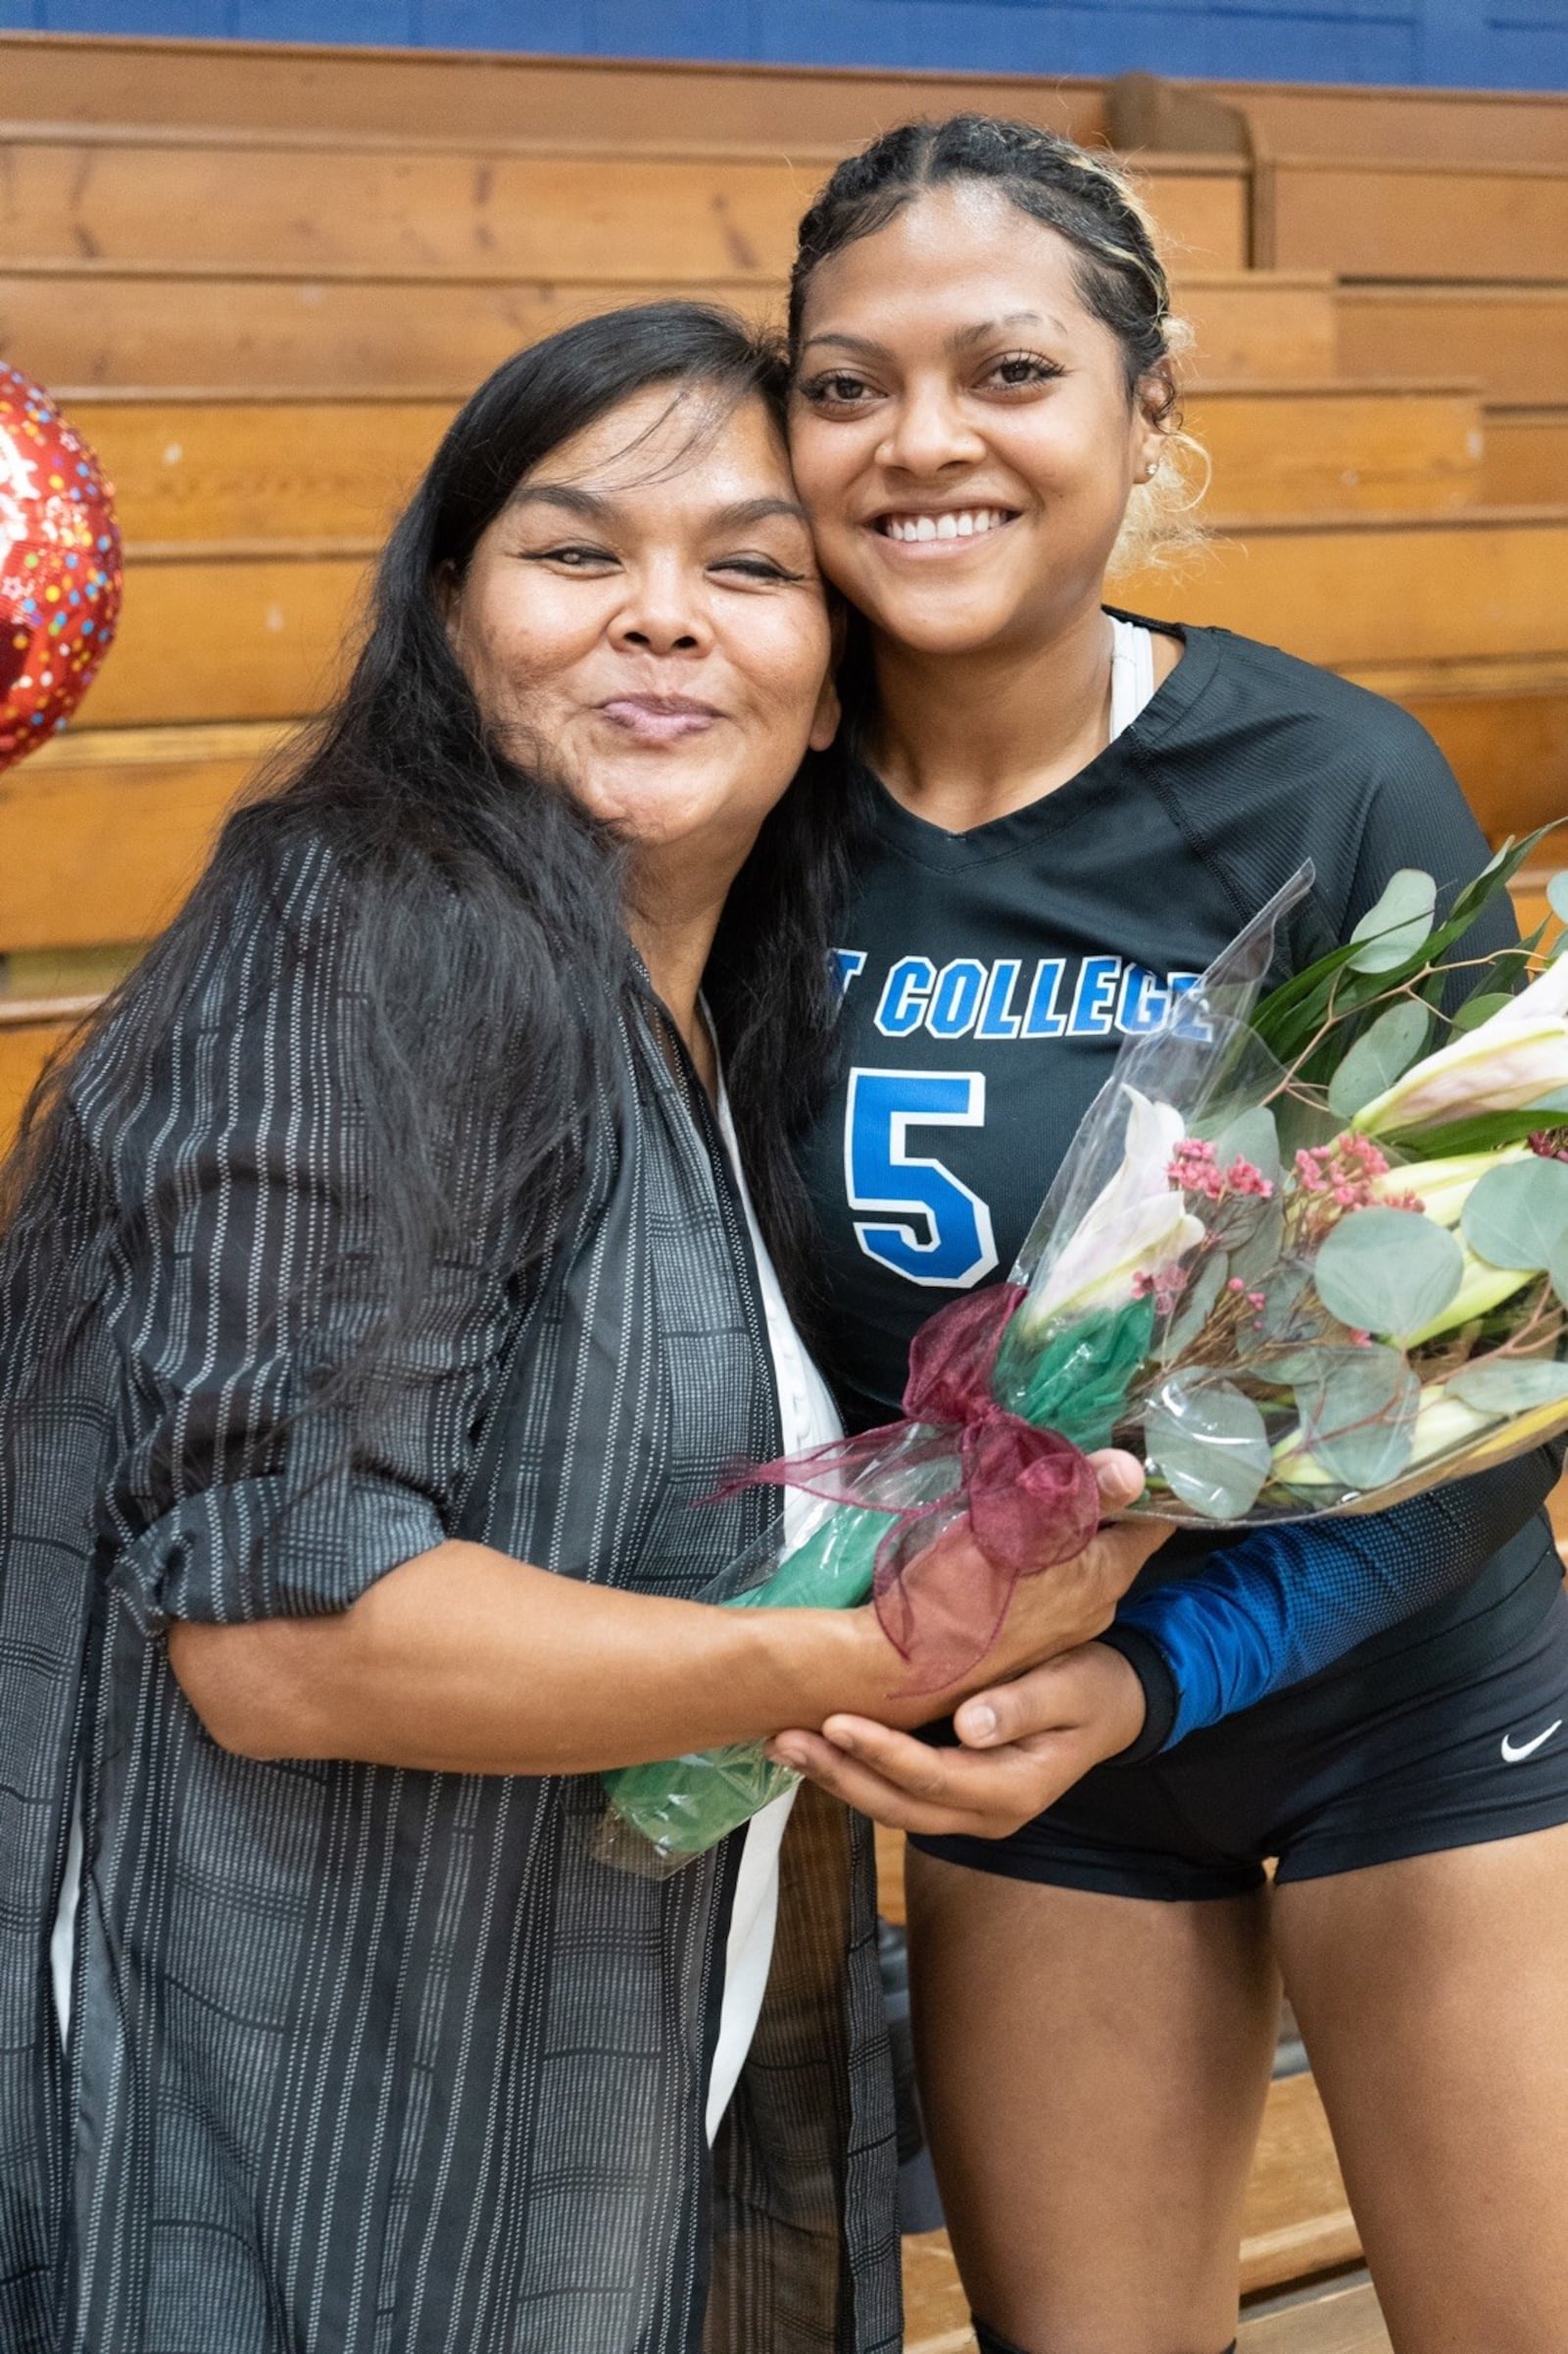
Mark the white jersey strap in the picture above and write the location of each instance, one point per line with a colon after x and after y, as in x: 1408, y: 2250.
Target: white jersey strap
x: 1132, y: 672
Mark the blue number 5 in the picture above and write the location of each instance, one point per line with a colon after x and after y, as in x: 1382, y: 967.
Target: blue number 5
x: 952, y: 1244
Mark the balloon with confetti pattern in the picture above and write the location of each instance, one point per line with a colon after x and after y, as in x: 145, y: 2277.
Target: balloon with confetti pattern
x: 60, y: 567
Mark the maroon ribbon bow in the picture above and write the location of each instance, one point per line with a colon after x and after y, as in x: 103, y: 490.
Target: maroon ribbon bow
x: 1026, y: 1498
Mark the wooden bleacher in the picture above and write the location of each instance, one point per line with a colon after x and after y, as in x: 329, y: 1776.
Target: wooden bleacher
x: 260, y: 278
x: 104, y: 325
x: 1264, y: 119
x: 1423, y: 223
x: 1444, y: 219
x: 481, y: 96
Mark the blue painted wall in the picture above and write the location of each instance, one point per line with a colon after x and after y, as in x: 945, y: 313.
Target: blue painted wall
x: 1501, y: 44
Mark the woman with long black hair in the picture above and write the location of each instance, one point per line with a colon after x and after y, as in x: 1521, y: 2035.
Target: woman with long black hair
x: 1065, y: 811
x: 381, y: 1284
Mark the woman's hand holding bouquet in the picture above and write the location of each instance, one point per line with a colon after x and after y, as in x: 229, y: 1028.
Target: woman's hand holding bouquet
x: 1023, y: 1740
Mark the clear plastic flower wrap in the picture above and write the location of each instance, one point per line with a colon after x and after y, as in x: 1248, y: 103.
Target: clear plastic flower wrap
x: 1307, y: 1253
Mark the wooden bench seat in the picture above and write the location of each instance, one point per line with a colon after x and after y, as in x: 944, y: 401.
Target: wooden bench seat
x: 1399, y: 218
x: 265, y: 331
x: 1525, y: 456
x: 1503, y: 726
x: 1339, y: 447
x: 1372, y: 595
x: 225, y: 466
x: 1514, y: 338
x: 1328, y: 2321
x: 239, y: 631
x: 498, y: 94
x: 103, y: 830
x: 1151, y: 110
x: 238, y: 204
x: 1425, y: 126
x: 317, y: 200
x: 61, y: 78
x: 29, y: 1036
x: 222, y: 465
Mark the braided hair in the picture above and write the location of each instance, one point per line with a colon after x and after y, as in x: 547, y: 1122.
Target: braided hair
x: 1082, y: 196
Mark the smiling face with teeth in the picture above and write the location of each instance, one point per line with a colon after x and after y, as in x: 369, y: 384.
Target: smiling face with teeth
x: 961, y: 430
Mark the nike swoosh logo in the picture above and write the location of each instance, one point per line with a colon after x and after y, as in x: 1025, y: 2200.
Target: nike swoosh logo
x: 1527, y: 1749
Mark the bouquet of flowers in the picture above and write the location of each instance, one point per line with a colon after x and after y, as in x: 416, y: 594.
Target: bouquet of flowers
x: 1307, y: 1253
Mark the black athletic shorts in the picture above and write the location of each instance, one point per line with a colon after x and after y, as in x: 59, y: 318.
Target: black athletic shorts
x: 1357, y: 1765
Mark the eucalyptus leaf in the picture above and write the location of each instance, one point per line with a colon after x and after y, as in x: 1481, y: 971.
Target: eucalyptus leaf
x: 1557, y: 894
x: 1284, y: 1289
x: 1557, y: 1100
x: 1312, y: 1362
x: 1209, y: 1442
x: 1517, y: 1216
x: 1400, y: 923
x: 1481, y: 1008
x: 1387, y: 1270
x: 1197, y: 1306
x: 1512, y: 1387
x: 1379, y: 1056
x: 1467, y: 904
x: 1359, y: 1408
x: 1254, y: 1136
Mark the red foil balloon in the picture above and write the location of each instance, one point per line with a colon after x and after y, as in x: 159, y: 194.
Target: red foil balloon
x: 60, y: 567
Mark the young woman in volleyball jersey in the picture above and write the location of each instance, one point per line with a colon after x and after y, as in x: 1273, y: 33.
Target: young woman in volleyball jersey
x: 1064, y: 812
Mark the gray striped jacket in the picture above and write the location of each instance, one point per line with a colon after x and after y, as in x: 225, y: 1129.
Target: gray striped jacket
x: 367, y: 2060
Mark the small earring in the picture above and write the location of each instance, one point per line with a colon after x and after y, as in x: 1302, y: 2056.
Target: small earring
x: 1149, y: 472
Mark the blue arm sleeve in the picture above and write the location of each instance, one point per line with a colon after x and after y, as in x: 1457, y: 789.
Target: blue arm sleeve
x: 1285, y: 1602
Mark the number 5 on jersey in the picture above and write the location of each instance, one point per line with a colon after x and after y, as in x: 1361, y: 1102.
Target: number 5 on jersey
x: 933, y: 1229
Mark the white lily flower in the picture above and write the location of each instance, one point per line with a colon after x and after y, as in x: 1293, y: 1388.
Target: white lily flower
x: 1139, y: 1226
x: 1505, y: 1064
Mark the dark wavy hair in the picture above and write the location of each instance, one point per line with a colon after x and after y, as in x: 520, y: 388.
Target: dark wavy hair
x: 486, y: 904
x: 1081, y: 195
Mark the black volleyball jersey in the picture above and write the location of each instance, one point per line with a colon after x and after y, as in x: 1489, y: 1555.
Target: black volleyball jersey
x: 990, y: 976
